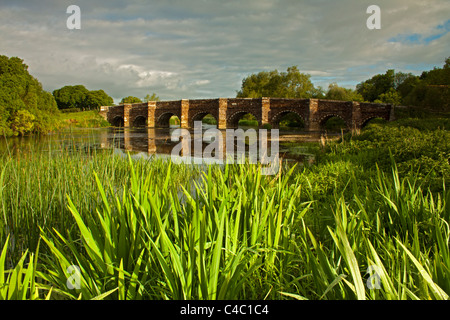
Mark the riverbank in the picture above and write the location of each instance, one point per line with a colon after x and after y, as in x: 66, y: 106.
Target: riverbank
x: 83, y: 119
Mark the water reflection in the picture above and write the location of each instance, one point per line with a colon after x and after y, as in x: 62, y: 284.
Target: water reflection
x: 158, y: 141
x: 144, y: 141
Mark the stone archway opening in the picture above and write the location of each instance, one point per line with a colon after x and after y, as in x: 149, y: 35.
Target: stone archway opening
x: 248, y: 120
x: 140, y: 122
x: 207, y: 119
x: 168, y: 120
x: 118, y: 121
x: 333, y: 123
x: 374, y: 120
x: 289, y: 121
x: 242, y: 119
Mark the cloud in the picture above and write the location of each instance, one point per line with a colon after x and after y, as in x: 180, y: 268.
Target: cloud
x: 204, y: 48
x: 202, y: 82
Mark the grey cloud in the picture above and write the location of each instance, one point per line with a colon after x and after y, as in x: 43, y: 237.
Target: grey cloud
x: 193, y: 49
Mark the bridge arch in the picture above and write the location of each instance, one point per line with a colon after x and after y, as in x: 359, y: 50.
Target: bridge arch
x: 140, y: 121
x: 366, y: 121
x: 198, y: 116
x: 233, y: 119
x: 276, y: 119
x: 164, y: 119
x: 118, y: 121
x: 323, y: 120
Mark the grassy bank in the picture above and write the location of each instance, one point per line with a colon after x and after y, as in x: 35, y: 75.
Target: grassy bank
x: 137, y: 229
x: 83, y: 119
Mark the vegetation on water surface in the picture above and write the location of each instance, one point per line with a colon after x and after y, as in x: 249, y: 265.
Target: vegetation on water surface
x: 139, y: 229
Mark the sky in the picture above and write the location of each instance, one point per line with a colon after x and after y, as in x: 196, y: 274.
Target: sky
x: 194, y: 49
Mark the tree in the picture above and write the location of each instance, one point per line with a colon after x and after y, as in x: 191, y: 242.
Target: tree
x: 290, y: 84
x: 431, y: 89
x: 153, y: 97
x: 378, y: 84
x: 20, y: 92
x: 391, y: 97
x: 407, y: 85
x: 22, y: 122
x: 338, y: 93
x: 437, y: 76
x: 71, y: 97
x: 318, y: 93
x: 131, y: 99
x: 400, y: 78
x: 81, y: 98
x: 97, y: 98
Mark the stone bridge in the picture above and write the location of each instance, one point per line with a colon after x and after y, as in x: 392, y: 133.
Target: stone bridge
x: 228, y: 112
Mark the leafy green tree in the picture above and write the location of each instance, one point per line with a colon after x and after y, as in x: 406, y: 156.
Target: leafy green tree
x: 22, y: 122
x: 20, y: 91
x: 438, y: 76
x: 431, y: 89
x: 338, y: 93
x: 391, y: 97
x: 408, y: 85
x: 97, y: 98
x: 290, y: 84
x: 400, y: 78
x: 318, y: 93
x: 153, y: 97
x: 372, y: 88
x: 71, y: 97
x: 131, y: 99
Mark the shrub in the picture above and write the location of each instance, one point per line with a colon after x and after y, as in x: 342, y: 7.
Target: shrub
x: 23, y: 122
x: 423, y: 153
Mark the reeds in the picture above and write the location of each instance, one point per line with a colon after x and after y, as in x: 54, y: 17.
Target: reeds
x: 140, y: 229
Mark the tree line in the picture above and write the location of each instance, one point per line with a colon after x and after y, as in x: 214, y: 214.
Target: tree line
x: 25, y: 107
x: 78, y: 98
x: 132, y: 99
x: 429, y: 90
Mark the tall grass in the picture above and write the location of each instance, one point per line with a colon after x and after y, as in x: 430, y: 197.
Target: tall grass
x: 139, y: 229
x: 35, y: 184
x: 152, y: 244
x: 20, y: 283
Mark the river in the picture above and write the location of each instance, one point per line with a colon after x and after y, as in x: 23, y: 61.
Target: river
x: 158, y: 142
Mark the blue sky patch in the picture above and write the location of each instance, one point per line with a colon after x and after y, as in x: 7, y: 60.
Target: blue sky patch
x: 416, y: 38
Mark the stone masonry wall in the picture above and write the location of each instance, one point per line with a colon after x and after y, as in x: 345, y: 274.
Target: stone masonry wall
x: 228, y: 111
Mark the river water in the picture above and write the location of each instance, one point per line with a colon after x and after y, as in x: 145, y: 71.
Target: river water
x: 160, y: 142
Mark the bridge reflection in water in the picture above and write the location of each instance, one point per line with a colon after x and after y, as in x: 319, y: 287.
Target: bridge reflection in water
x: 158, y: 141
